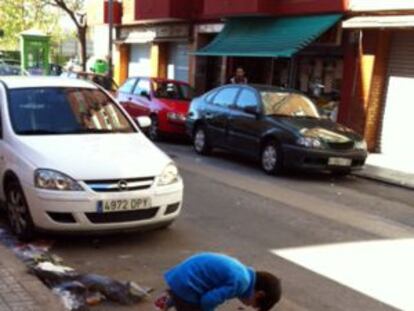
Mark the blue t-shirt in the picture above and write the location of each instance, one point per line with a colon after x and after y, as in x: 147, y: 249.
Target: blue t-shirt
x: 208, y: 280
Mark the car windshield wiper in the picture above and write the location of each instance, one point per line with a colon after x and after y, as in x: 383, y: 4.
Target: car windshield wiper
x: 99, y: 131
x: 39, y: 132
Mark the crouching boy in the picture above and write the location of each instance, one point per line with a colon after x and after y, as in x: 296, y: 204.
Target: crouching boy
x: 207, y: 280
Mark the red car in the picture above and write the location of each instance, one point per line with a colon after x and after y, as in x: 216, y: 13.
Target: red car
x: 166, y: 102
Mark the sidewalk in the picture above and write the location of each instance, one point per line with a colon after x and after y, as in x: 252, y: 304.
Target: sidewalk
x: 20, y: 291
x: 389, y: 170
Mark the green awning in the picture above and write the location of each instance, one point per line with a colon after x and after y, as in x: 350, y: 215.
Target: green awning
x: 268, y: 36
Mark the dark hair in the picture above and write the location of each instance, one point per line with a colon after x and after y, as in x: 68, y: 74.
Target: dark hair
x: 271, y: 286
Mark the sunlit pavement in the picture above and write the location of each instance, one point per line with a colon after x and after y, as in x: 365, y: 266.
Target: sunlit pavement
x: 382, y: 270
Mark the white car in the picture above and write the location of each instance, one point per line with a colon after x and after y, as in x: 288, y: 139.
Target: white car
x: 71, y: 159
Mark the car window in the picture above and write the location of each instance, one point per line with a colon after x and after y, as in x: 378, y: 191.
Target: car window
x: 247, y: 98
x: 127, y: 86
x: 172, y: 90
x: 210, y: 96
x: 288, y: 105
x: 143, y: 86
x: 57, y: 111
x: 226, y: 97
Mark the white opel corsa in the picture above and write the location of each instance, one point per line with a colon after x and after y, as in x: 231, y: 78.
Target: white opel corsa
x: 71, y: 159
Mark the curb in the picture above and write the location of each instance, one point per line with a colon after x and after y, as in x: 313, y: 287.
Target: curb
x: 387, y: 176
x: 44, y: 299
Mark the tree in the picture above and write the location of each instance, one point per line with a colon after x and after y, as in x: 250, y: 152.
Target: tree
x: 20, y: 15
x: 73, y: 8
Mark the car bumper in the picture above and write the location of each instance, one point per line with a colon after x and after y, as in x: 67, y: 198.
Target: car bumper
x: 173, y: 127
x: 313, y: 159
x: 78, y: 211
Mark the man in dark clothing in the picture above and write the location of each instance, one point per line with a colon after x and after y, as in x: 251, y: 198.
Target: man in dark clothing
x: 207, y: 280
x: 239, y: 77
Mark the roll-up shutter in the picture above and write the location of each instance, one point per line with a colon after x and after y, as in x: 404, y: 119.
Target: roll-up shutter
x: 398, y: 119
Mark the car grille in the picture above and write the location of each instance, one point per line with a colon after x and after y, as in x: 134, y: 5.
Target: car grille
x: 120, y: 185
x: 342, y: 146
x: 118, y: 217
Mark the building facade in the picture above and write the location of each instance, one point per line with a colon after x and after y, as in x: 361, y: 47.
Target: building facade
x: 355, y: 58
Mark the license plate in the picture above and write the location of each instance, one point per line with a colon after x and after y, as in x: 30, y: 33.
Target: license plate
x: 111, y: 206
x: 339, y: 162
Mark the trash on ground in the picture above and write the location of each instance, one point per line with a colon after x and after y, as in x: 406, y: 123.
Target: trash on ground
x: 78, y: 291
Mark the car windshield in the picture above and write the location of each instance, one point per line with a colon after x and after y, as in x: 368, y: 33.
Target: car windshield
x: 58, y: 111
x: 288, y: 105
x: 172, y: 90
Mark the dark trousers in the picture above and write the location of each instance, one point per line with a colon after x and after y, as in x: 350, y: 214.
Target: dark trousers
x: 181, y: 305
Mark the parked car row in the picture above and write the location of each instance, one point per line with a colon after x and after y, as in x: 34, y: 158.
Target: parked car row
x: 281, y: 128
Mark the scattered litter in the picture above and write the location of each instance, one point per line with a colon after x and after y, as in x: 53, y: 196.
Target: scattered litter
x: 77, y: 291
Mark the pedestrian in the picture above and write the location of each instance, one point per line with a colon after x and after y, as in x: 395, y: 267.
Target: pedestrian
x: 239, y: 77
x: 207, y: 280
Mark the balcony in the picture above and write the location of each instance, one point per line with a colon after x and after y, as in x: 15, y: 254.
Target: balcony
x: 165, y: 10
x: 224, y: 8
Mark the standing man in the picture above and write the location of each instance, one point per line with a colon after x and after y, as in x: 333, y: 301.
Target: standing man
x: 207, y: 280
x: 239, y: 77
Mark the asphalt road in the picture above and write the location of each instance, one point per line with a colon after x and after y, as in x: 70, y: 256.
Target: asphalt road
x: 330, y: 240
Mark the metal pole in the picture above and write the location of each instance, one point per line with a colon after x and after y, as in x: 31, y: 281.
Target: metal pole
x: 111, y: 26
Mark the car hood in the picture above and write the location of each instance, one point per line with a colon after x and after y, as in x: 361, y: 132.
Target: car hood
x: 180, y: 106
x: 323, y: 129
x: 94, y: 157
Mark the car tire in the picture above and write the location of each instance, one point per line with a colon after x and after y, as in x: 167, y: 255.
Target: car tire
x: 200, y: 141
x: 271, y: 158
x: 154, y: 130
x: 18, y: 213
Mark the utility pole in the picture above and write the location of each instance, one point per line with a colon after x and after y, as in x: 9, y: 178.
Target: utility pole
x: 111, y: 26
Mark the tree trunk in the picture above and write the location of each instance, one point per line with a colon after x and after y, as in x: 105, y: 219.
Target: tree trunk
x: 83, y: 48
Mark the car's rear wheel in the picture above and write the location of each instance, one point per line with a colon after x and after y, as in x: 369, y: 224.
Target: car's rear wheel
x: 154, y: 131
x: 271, y: 158
x: 200, y: 141
x: 18, y: 213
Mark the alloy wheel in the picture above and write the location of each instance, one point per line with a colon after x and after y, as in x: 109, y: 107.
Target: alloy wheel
x: 199, y: 141
x: 17, y: 211
x: 269, y: 158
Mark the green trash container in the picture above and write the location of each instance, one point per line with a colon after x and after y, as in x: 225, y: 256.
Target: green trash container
x: 100, y: 66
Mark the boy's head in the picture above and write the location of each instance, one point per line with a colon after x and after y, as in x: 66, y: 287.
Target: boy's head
x: 267, y: 292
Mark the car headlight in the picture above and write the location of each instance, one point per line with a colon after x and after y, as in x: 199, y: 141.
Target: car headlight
x: 173, y: 116
x: 361, y: 145
x: 53, y: 180
x: 309, y: 142
x: 169, y: 175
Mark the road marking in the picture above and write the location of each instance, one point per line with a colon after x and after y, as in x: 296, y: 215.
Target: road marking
x: 379, y: 226
x: 382, y: 270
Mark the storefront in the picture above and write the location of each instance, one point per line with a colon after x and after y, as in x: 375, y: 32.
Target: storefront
x: 277, y: 51
x: 155, y: 50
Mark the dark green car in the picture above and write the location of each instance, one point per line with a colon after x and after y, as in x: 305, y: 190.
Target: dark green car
x: 281, y: 128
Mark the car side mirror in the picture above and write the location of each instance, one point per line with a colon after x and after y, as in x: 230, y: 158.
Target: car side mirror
x: 251, y: 110
x: 143, y: 122
x: 145, y: 94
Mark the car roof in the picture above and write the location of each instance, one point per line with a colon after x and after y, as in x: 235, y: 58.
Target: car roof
x: 33, y: 82
x: 271, y: 88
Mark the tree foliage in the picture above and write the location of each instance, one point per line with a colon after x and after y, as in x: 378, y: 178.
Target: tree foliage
x: 74, y: 9
x: 20, y: 15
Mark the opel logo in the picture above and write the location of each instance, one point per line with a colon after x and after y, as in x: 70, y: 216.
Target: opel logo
x: 122, y: 185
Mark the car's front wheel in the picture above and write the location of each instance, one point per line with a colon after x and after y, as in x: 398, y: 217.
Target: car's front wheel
x: 200, y: 142
x: 271, y: 158
x: 154, y: 131
x: 18, y: 213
